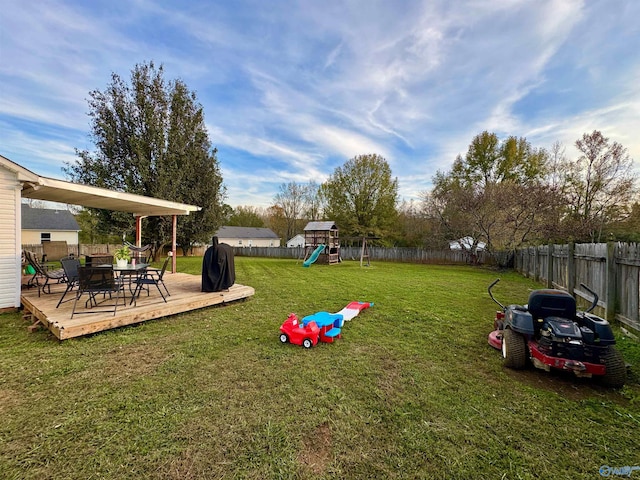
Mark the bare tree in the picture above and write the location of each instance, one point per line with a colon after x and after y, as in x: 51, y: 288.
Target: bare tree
x: 599, y: 185
x: 292, y: 202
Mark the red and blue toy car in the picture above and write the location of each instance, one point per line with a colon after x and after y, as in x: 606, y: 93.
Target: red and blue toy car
x: 292, y: 331
x: 319, y: 327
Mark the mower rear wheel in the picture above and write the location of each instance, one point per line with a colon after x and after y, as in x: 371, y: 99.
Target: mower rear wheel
x: 514, y: 349
x: 616, y: 374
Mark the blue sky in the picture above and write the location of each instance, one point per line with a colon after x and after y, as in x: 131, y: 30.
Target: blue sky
x: 293, y: 89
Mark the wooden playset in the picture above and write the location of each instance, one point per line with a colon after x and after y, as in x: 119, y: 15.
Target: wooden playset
x: 325, y: 235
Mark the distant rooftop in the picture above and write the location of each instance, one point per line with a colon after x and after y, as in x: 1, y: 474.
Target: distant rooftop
x: 321, y: 226
x: 48, y: 219
x: 246, y: 232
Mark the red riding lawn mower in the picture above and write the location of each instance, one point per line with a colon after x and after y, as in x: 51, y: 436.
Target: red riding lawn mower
x: 550, y: 333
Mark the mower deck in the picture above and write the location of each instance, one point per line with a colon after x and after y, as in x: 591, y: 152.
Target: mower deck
x: 545, y: 362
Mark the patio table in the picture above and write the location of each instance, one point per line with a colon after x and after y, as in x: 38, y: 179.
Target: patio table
x: 132, y: 272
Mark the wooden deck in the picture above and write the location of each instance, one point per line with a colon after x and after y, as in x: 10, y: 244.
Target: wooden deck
x: 185, y: 296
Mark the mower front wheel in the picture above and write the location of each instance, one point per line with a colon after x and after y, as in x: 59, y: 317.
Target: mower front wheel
x: 514, y: 349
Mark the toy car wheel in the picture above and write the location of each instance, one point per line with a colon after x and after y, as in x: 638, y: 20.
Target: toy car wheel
x: 514, y: 349
x: 284, y: 338
x: 616, y: 374
x: 307, y: 343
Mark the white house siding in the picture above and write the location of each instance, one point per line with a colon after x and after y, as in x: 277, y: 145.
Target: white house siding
x: 297, y: 241
x: 250, y: 242
x: 10, y: 260
x: 32, y: 237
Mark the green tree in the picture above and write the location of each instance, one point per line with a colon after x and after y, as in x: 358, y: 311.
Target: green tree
x: 361, y: 196
x: 495, y: 194
x: 88, y: 221
x: 490, y: 161
x: 275, y: 219
x: 413, y: 228
x: 246, y: 216
x: 150, y: 139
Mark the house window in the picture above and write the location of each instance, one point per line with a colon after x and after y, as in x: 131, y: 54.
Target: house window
x: 45, y: 237
x: 239, y: 242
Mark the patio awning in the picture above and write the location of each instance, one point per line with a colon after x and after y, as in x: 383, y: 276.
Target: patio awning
x: 61, y: 191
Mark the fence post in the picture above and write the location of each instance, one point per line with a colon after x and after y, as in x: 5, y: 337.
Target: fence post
x: 571, y: 268
x: 550, y: 265
x: 610, y: 309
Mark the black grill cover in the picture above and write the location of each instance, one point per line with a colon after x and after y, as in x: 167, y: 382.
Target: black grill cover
x: 218, y: 268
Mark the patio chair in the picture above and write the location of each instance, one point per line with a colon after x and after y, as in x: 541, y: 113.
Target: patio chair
x: 152, y: 276
x: 54, y: 250
x: 141, y: 254
x: 42, y: 272
x: 95, y: 281
x: 98, y: 259
x: 70, y: 265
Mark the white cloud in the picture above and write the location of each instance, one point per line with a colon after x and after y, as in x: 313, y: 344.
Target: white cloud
x: 291, y: 90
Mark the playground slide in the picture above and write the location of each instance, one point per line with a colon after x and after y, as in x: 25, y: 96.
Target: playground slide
x: 314, y: 256
x: 353, y: 309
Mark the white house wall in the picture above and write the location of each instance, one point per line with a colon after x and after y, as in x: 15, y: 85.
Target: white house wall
x: 10, y: 251
x: 32, y: 237
x: 250, y: 242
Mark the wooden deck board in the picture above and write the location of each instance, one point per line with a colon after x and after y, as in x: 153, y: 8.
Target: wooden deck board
x: 185, y: 296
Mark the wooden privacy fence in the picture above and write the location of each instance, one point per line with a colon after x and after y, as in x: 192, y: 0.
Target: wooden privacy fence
x: 383, y: 254
x: 612, y: 270
x: 74, y: 249
x: 87, y: 249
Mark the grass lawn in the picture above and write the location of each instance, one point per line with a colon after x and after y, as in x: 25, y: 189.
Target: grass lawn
x: 412, y: 390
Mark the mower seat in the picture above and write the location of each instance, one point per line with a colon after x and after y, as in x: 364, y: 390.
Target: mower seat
x: 551, y: 303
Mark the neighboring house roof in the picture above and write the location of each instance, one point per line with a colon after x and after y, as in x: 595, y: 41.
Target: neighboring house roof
x: 48, y: 219
x: 246, y: 232
x: 298, y: 239
x: 320, y: 226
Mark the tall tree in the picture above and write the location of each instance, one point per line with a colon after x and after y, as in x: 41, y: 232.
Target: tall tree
x: 361, y: 196
x: 291, y: 200
x: 413, y: 228
x: 490, y: 161
x: 495, y: 194
x: 313, y: 201
x: 246, y: 216
x: 599, y: 186
x: 275, y: 219
x: 150, y: 139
